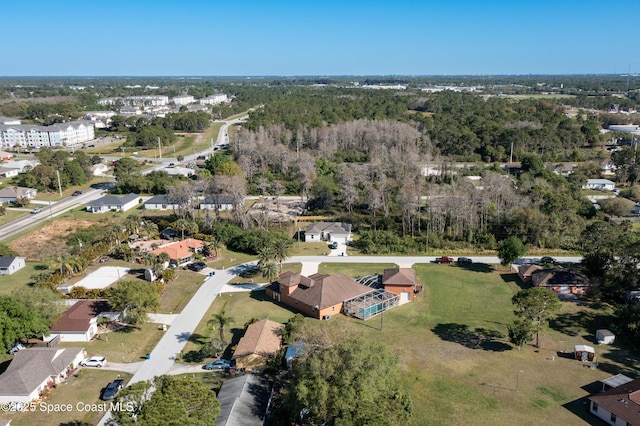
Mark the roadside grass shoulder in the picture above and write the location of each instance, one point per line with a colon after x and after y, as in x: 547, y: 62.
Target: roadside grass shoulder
x: 354, y: 270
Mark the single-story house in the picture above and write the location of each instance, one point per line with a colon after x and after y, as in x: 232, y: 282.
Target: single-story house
x: 328, y: 231
x: 563, y: 281
x: 159, y: 202
x: 111, y: 202
x: 525, y: 271
x: 319, y: 295
x: 168, y: 234
x: 243, y: 401
x: 11, y: 193
x: 605, y: 337
x: 584, y: 353
x: 619, y: 405
x: 34, y: 370
x: 10, y: 264
x: 601, y: 184
x: 219, y: 202
x: 99, y: 169
x: 607, y: 166
x: 401, y: 281
x: 6, y: 172
x: 180, y: 252
x: 260, y: 341
x: 79, y: 323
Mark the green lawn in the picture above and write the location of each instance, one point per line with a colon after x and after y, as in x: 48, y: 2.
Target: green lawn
x: 11, y: 215
x: 10, y: 283
x: 80, y: 390
x: 254, y: 276
x: 180, y: 291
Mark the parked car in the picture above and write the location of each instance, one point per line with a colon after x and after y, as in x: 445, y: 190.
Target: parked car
x: 112, y: 389
x: 16, y: 348
x: 445, y: 259
x: 36, y: 210
x: 197, y: 266
x: 94, y: 361
x: 76, y: 193
x: 547, y: 259
x: 464, y: 261
x: 221, y: 364
x: 522, y: 261
x: 334, y: 245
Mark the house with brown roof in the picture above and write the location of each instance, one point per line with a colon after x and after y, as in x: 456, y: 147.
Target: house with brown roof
x: 180, y: 252
x: 563, y: 281
x: 401, y: 281
x: 34, y: 370
x: 525, y: 271
x: 261, y: 340
x: 79, y: 323
x: 319, y: 295
x: 619, y: 405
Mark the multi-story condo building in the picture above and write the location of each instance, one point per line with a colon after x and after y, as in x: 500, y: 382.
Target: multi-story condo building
x: 216, y: 98
x: 141, y: 101
x: 183, y: 100
x: 54, y: 136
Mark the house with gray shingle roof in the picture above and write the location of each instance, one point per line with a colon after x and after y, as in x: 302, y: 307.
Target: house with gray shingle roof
x: 32, y: 371
x: 243, y: 401
x: 10, y: 264
x: 112, y: 202
x: 328, y: 231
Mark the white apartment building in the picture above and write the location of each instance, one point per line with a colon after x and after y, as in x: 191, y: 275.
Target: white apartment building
x: 215, y: 99
x: 183, y: 100
x: 54, y: 136
x: 147, y: 100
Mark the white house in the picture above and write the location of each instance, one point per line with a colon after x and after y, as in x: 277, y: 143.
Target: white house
x: 99, y: 169
x: 11, y: 193
x: 159, y: 202
x: 216, y: 98
x: 34, y: 370
x: 328, y: 231
x: 6, y: 172
x: 111, y: 202
x: 220, y: 202
x: 79, y: 323
x: 10, y: 264
x: 601, y: 184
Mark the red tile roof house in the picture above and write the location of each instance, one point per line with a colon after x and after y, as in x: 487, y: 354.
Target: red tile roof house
x: 525, y: 271
x: 180, y: 252
x: 34, y: 370
x: 401, y: 281
x: 619, y: 405
x: 319, y: 295
x: 261, y: 340
x: 563, y: 281
x: 79, y: 323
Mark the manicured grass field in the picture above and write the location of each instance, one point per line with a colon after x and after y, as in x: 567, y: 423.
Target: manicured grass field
x: 20, y: 279
x: 81, y: 391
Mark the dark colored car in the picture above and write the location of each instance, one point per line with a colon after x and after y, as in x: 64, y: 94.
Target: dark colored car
x: 112, y: 389
x: 444, y: 259
x: 76, y: 193
x: 197, y: 266
x: 547, y: 259
x: 464, y: 261
x: 334, y: 245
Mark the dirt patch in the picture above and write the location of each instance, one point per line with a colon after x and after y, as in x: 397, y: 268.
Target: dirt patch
x: 49, y: 240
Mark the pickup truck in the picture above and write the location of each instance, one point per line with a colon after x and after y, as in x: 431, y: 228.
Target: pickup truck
x: 445, y: 259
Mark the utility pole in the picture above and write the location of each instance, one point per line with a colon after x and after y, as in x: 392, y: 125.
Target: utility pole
x: 159, y: 148
x: 59, y: 185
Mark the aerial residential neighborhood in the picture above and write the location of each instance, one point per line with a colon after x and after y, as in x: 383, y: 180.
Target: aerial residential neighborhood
x: 400, y: 214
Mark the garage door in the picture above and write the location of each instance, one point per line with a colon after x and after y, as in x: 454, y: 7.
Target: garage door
x: 404, y: 296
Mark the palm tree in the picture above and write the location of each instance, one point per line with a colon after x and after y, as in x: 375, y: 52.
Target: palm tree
x: 67, y: 265
x: 269, y: 270
x: 266, y: 254
x: 132, y: 224
x: 150, y: 228
x: 222, y: 320
x: 164, y: 258
x: 282, y: 248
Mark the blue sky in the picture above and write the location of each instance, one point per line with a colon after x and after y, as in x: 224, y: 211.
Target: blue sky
x: 297, y: 38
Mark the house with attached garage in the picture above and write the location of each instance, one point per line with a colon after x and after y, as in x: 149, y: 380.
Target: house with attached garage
x: 563, y: 281
x: 10, y: 264
x: 261, y: 340
x: 79, y: 323
x: 217, y: 202
x: 113, y: 203
x: 11, y: 193
x: 159, y: 202
x: 600, y: 184
x: 243, y: 401
x: 328, y: 231
x: 34, y: 370
x: 401, y: 281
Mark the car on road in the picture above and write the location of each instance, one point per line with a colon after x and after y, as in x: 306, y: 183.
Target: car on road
x: 112, y: 389
x: 76, y: 193
x: 547, y: 259
x: 36, y: 210
x: 94, y: 361
x: 197, y: 266
x: 445, y: 259
x: 221, y: 364
x: 465, y: 261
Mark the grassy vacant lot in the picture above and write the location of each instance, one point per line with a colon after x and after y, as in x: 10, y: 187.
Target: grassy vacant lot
x: 10, y: 283
x: 456, y: 361
x: 80, y: 390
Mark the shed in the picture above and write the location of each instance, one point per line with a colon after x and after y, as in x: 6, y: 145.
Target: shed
x: 584, y: 353
x: 605, y: 337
